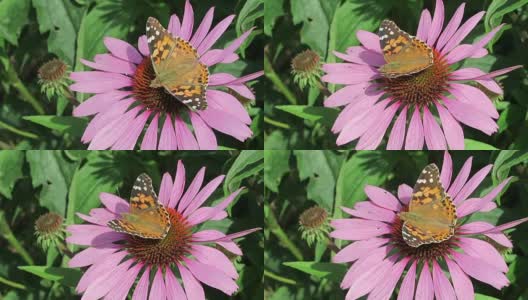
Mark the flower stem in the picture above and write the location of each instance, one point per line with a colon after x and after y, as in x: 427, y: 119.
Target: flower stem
x: 277, y: 81
x: 275, y: 228
x: 279, y: 278
x: 6, y: 232
x: 323, y: 89
x: 18, y: 131
x: 21, y: 88
x: 276, y: 123
x: 12, y: 284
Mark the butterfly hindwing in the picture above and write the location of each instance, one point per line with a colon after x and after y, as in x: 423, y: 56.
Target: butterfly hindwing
x: 146, y: 217
x: 404, y: 54
x: 177, y: 66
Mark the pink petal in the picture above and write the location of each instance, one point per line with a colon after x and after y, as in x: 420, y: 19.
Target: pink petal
x: 203, y: 29
x: 214, y: 35
x: 179, y: 185
x: 108, y: 135
x: 491, y: 85
x: 466, y: 74
x: 468, y: 115
x: 174, y: 25
x: 365, y: 281
x: 184, y: 137
x: 415, y: 135
x: 434, y: 137
x: 382, y: 198
x: 193, y: 288
x: 461, y: 178
x: 452, y: 129
x: 90, y: 256
x: 226, y: 52
x: 187, y: 22
x: 108, y: 63
x: 404, y: 193
x: 361, y: 55
x: 468, y: 207
x: 358, y: 125
x: 424, y: 25
x: 211, y: 276
x: 451, y: 27
x: 225, y: 123
x: 114, y: 203
x: 358, y: 75
x: 121, y: 290
x: 128, y: 140
x: 473, y: 96
x: 397, y: 134
x: 150, y: 140
x: 437, y: 24
x: 203, y: 195
x: 102, y: 119
x: 456, y: 56
x: 447, y: 171
x: 357, y: 250
x: 174, y: 289
x: 371, y: 139
x: 367, y: 210
x: 462, y: 32
x: 157, y: 290
x: 366, y: 263
x: 123, y: 50
x: 477, y: 227
x: 358, y: 229
x: 143, y: 45
x: 425, y: 289
x: 348, y: 94
x: 384, y: 291
x: 356, y: 111
x: 480, y: 270
x: 214, y: 258
x: 99, y: 103
x: 472, y: 184
x: 168, y: 136
x: 461, y: 282
x: 483, y: 250
x: 229, y: 104
x: 442, y: 287
x: 106, y: 83
x: 192, y: 190
x: 369, y: 40
x: 105, y: 265
x: 505, y: 226
x: 499, y: 72
x: 141, y: 291
x: 165, y: 189
x: 204, y: 134
x: 407, y: 285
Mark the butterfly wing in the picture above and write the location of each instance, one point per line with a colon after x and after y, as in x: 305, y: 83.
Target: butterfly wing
x: 177, y: 66
x: 403, y: 53
x: 147, y: 218
x: 432, y: 213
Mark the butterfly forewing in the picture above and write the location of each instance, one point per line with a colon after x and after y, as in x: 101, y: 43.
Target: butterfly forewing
x: 403, y: 53
x: 146, y: 218
x: 177, y: 66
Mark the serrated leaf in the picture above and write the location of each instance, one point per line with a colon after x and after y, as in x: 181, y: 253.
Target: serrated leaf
x: 11, y: 163
x: 13, y: 17
x: 332, y: 272
x: 66, y: 276
x: 276, y: 165
x: 324, y: 115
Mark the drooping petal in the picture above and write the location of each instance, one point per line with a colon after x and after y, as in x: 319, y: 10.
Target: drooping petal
x: 128, y: 140
x: 473, y: 118
x: 452, y: 130
x: 461, y: 282
x: 174, y: 289
x: 382, y: 198
x: 368, y: 210
x: 150, y: 140
x: 141, y: 291
x: 204, y: 134
x: 123, y: 50
x: 184, y: 137
x: 369, y: 40
x: 193, y: 288
x: 480, y: 270
x: 443, y: 289
x: 415, y: 134
x: 211, y: 276
x: 407, y: 285
x: 474, y: 97
x: 121, y: 290
x: 371, y: 139
x: 483, y: 250
x: 397, y: 134
x: 99, y: 103
x: 384, y: 291
x: 167, y: 136
x: 157, y: 290
x: 357, y: 250
x: 425, y: 288
x: 357, y: 229
x: 434, y: 137
x: 225, y: 123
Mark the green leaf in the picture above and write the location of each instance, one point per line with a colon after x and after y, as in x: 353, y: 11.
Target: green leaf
x: 332, y: 272
x: 276, y: 165
x: 88, y: 182
x: 496, y: 12
x: 315, y: 17
x: 272, y: 10
x: 350, y: 17
x: 504, y: 162
x: 64, y: 125
x: 51, y: 171
x: 511, y: 116
x: 13, y: 17
x: 249, y: 14
x: 248, y: 163
x: 61, y: 19
x: 484, y: 297
x: 317, y: 167
x: 324, y: 115
x: 66, y: 276
x: 11, y: 163
x: 476, y: 145
x: 365, y: 167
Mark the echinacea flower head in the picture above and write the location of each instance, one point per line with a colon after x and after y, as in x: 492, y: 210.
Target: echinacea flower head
x: 428, y: 106
x: 115, y: 259
x: 49, y: 229
x: 53, y: 78
x: 380, y: 251
x: 126, y: 101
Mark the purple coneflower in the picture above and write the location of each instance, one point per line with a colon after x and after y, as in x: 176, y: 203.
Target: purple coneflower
x: 372, y: 101
x: 124, y: 102
x: 116, y: 260
x: 379, y: 255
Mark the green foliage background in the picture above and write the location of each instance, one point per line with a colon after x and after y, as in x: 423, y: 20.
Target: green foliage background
x: 296, y: 119
x: 298, y: 180
x: 34, y: 31
x: 66, y: 182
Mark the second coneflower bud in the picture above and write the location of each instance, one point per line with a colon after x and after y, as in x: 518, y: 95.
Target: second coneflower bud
x: 306, y: 69
x: 314, y: 225
x: 50, y: 231
x: 53, y: 78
